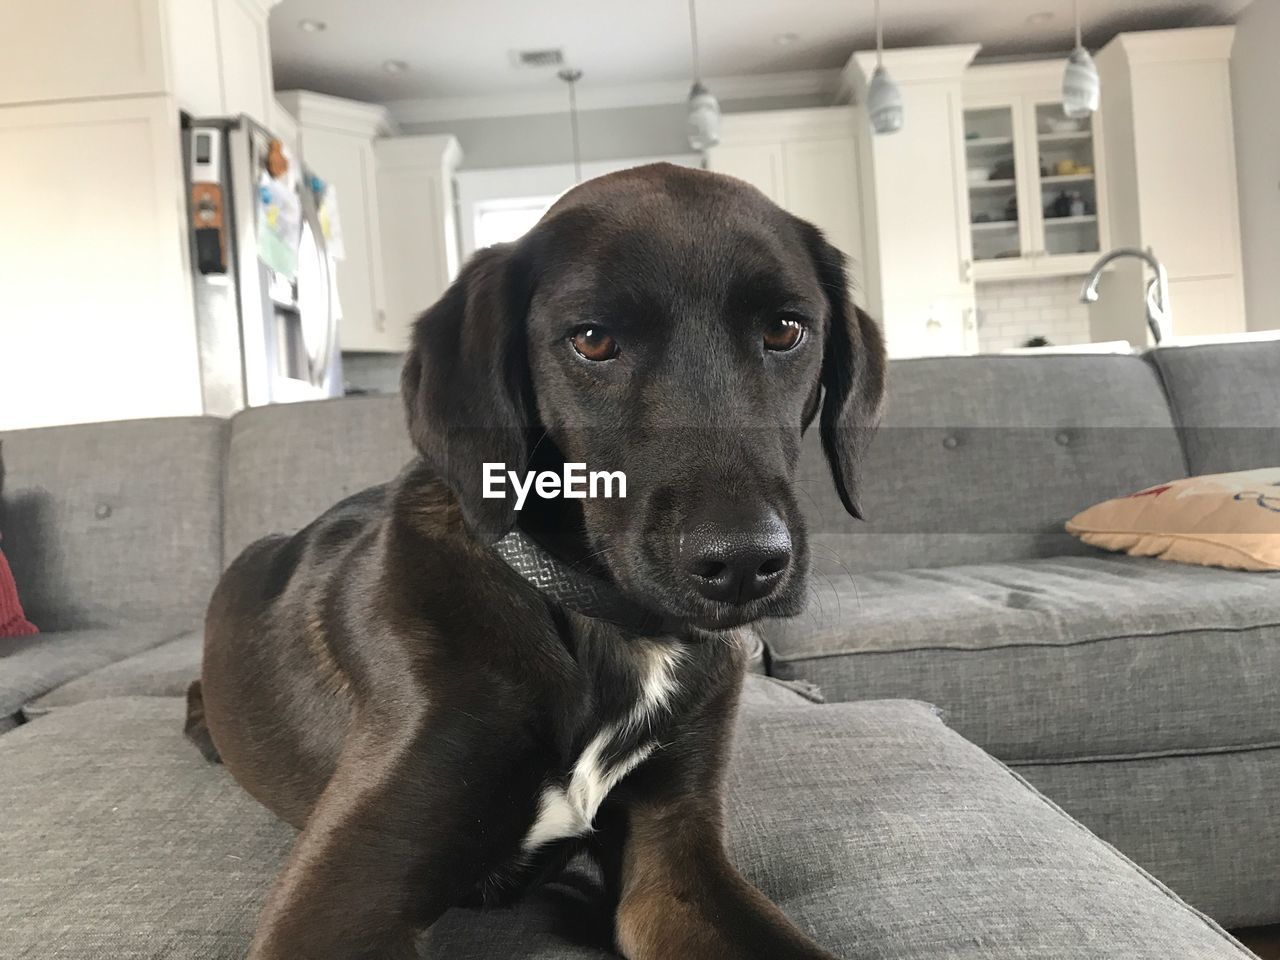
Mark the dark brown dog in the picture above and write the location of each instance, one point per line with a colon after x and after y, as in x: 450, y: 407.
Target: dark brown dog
x: 441, y: 729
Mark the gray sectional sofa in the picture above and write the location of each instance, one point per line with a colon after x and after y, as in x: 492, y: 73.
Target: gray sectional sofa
x: 1137, y: 696
x: 1142, y: 696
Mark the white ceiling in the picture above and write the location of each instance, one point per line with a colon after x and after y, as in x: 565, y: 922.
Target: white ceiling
x: 462, y: 48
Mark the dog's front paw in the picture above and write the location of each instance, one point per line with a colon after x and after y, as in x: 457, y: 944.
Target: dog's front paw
x: 656, y: 927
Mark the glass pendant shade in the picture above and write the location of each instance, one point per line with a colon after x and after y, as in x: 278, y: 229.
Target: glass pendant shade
x: 1081, y: 87
x: 703, y: 123
x: 884, y: 103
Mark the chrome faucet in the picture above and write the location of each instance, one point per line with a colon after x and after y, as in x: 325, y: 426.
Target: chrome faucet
x: 1159, y: 310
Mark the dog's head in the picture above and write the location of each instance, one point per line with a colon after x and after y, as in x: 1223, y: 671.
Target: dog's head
x: 674, y: 325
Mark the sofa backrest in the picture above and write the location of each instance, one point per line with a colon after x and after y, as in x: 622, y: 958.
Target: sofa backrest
x: 1226, y: 401
x: 982, y: 459
x: 979, y: 459
x: 113, y: 523
x: 287, y: 464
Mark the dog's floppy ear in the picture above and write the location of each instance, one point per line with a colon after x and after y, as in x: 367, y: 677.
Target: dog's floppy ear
x: 853, y: 373
x: 466, y: 384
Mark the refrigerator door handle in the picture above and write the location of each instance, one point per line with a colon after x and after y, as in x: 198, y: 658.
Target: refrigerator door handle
x: 322, y: 362
x: 318, y: 294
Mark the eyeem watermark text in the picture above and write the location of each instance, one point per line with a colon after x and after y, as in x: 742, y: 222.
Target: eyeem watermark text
x: 574, y: 483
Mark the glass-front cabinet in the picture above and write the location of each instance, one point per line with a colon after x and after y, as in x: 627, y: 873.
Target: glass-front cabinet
x: 1036, y: 190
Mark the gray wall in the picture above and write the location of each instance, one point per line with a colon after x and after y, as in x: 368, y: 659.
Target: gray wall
x: 1255, y: 85
x: 622, y: 133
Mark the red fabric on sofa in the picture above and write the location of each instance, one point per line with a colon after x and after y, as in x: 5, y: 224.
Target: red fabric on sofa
x: 13, y: 622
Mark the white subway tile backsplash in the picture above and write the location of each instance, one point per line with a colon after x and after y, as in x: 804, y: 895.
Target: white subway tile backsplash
x: 1012, y: 312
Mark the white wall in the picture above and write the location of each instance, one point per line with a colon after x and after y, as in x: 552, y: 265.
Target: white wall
x: 1255, y: 81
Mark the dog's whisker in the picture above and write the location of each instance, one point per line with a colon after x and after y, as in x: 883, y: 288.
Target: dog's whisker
x: 529, y: 459
x: 829, y: 553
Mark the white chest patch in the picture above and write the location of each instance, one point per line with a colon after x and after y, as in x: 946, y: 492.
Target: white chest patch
x: 569, y: 809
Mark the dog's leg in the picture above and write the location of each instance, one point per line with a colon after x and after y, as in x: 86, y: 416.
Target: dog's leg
x: 679, y: 895
x: 397, y: 835
x: 196, y: 729
x: 683, y: 898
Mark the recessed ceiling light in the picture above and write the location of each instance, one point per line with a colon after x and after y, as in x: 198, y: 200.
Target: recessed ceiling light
x: 312, y: 26
x: 1043, y: 16
x: 394, y: 66
x: 786, y: 39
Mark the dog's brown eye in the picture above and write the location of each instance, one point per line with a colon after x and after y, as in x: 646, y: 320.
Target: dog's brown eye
x: 594, y: 344
x: 783, y: 333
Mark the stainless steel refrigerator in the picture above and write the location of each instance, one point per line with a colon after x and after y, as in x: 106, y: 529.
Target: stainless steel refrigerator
x: 266, y: 305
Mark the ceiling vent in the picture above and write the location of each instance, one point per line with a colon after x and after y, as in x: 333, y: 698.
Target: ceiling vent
x: 538, y: 58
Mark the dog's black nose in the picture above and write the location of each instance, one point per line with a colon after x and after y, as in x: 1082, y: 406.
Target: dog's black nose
x: 737, y: 562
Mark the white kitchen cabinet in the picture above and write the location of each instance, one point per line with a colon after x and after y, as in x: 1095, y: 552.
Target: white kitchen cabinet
x: 1166, y: 97
x: 821, y: 183
x: 96, y: 315
x: 806, y: 161
x: 245, y: 50
x: 1036, y: 189
x: 94, y: 250
x: 336, y: 141
x: 69, y: 50
x: 195, y: 62
x: 760, y: 164
x: 213, y: 56
x: 919, y: 247
x: 419, y: 230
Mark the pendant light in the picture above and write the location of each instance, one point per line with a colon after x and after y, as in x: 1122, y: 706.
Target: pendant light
x: 884, y: 99
x: 703, y: 123
x: 571, y: 78
x: 1080, y: 84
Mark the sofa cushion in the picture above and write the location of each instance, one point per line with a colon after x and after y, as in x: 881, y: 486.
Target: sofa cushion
x: 114, y: 523
x: 165, y: 670
x: 1226, y: 401
x: 289, y: 463
x: 1073, y: 658
x: 1227, y: 520
x: 983, y: 459
x: 878, y: 830
x: 168, y: 669
x: 1208, y: 825
x: 32, y: 666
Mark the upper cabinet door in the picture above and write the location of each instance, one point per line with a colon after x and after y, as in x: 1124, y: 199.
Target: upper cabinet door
x: 70, y: 50
x: 822, y: 185
x: 346, y: 161
x: 1065, y: 181
x: 995, y: 157
x: 246, y: 61
x: 1187, y: 177
x: 760, y: 164
x: 1013, y: 119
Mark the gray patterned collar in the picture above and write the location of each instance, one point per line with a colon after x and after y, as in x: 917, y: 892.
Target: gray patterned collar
x: 568, y: 586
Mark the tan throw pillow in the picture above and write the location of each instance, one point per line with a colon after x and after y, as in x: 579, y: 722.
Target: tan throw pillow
x: 1225, y: 520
